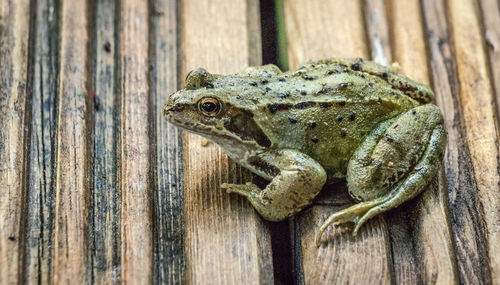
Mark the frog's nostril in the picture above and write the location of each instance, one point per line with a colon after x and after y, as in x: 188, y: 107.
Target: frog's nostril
x: 175, y: 108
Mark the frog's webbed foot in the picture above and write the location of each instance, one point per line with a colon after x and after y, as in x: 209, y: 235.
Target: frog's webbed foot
x: 247, y: 190
x: 394, y: 164
x: 354, y: 214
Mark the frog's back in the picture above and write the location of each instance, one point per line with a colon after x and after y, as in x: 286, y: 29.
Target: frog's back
x: 419, y: 92
x: 326, y: 109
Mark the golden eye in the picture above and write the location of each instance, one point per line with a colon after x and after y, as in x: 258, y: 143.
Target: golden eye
x: 209, y: 106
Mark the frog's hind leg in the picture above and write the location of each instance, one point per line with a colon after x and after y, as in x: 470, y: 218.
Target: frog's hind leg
x: 393, y: 165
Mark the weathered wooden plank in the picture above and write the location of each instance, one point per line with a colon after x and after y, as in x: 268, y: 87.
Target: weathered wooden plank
x: 479, y: 112
x: 226, y: 242
x: 40, y: 191
x: 14, y: 31
x: 406, y: 36
x: 135, y: 153
x: 310, y: 34
x: 169, y: 221
x: 465, y: 219
x: 105, y: 207
x: 377, y: 29
x: 315, y: 30
x: 70, y: 251
x: 429, y: 236
x: 491, y: 25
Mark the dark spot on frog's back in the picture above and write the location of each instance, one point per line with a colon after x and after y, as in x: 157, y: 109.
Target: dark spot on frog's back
x: 352, y: 115
x: 273, y: 108
x: 325, y: 104
x: 323, y: 90
x: 292, y: 119
x: 283, y: 95
x: 343, y: 132
x: 356, y: 66
x: 263, y: 166
x: 303, y: 105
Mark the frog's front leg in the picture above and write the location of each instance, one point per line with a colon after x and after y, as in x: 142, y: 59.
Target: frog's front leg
x: 298, y: 179
x: 393, y: 165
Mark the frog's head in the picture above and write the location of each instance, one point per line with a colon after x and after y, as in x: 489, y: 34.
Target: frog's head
x: 208, y: 106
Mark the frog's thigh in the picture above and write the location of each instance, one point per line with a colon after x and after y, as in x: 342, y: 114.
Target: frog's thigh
x: 299, y: 180
x: 398, y: 167
x: 376, y: 169
x: 402, y: 163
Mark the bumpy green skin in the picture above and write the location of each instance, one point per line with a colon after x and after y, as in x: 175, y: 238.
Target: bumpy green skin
x: 335, y: 118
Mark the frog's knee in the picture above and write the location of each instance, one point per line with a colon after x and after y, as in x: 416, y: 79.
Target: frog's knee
x: 431, y: 111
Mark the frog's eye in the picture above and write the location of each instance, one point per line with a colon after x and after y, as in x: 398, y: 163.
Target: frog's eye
x: 209, y: 106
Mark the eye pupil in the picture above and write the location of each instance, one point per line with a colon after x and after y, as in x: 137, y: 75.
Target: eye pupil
x: 209, y: 107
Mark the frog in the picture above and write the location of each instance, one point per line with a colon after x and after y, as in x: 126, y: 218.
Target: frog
x: 331, y: 119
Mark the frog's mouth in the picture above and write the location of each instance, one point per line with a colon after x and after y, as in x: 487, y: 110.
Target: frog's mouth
x: 235, y: 129
x: 192, y: 126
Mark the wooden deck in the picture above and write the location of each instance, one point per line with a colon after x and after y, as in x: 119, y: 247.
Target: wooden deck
x: 96, y: 187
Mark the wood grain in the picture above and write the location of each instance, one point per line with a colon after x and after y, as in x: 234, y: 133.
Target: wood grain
x: 104, y: 233
x: 406, y: 36
x: 313, y: 30
x: 462, y: 188
x: 429, y: 236
x: 40, y: 191
x: 226, y: 241
x: 14, y: 31
x: 135, y: 152
x: 70, y: 251
x: 167, y: 141
x: 491, y: 28
x: 477, y: 99
x: 377, y: 28
x: 317, y: 29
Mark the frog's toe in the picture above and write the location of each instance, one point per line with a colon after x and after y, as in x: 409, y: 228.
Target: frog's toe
x: 246, y: 190
x: 372, y: 213
x: 354, y: 214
